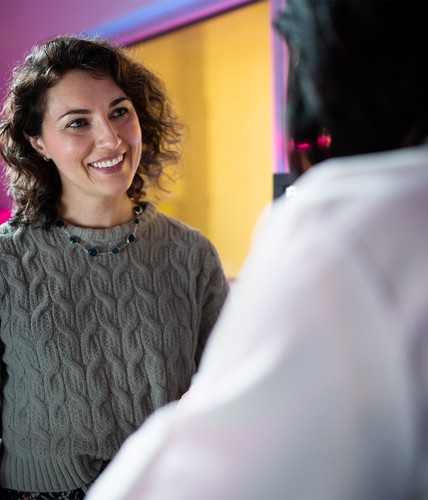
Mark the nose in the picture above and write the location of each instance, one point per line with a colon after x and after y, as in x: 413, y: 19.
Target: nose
x: 106, y: 135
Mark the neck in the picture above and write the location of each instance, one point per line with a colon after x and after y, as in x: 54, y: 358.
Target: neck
x: 100, y: 214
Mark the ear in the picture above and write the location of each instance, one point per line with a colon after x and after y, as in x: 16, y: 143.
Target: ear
x: 38, y: 144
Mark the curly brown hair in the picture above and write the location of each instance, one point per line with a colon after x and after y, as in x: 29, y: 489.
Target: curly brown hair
x: 34, y: 184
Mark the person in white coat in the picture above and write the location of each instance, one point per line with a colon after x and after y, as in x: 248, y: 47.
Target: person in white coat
x: 314, y: 384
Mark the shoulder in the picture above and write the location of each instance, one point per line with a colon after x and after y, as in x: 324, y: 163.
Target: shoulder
x: 6, y: 229
x: 16, y: 240
x: 168, y: 227
x: 9, y: 257
x: 363, y: 191
x: 372, y: 206
x: 7, y: 233
x: 365, y: 213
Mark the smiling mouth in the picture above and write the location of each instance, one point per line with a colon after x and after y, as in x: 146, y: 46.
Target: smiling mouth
x: 108, y: 163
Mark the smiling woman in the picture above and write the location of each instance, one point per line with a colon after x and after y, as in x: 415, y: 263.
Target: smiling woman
x: 105, y: 303
x: 92, y: 134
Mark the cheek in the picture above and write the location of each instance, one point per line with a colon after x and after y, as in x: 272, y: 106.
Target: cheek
x: 72, y: 148
x: 134, y: 132
x: 138, y: 150
x: 138, y: 146
x: 135, y: 139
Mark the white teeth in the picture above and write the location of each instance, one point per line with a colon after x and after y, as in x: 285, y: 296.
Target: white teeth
x: 107, y: 164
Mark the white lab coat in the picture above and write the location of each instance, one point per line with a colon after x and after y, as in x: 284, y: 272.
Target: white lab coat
x: 314, y: 385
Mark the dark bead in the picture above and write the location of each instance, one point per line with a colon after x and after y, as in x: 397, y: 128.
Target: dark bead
x: 136, y: 221
x: 115, y: 250
x: 73, y: 239
x: 93, y: 252
x: 138, y: 210
x: 130, y: 238
x: 59, y: 223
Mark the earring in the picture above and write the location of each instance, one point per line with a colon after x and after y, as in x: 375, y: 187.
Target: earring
x: 46, y: 159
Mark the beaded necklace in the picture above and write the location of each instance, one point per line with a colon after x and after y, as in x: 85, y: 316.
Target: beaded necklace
x: 93, y: 251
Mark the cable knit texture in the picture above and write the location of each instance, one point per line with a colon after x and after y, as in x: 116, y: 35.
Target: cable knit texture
x: 92, y: 345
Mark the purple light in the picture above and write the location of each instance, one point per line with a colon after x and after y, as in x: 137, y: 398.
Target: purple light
x: 160, y: 17
x: 303, y: 146
x: 324, y: 141
x: 4, y: 215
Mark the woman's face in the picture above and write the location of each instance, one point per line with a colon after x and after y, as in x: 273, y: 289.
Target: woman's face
x: 91, y: 132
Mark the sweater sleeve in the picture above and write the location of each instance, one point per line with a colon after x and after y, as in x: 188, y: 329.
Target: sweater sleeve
x: 1, y: 385
x: 213, y: 288
x: 2, y: 288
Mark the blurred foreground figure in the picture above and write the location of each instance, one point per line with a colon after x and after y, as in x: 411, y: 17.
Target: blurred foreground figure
x: 314, y: 384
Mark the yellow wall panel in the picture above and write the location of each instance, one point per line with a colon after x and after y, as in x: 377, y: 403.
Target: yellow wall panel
x: 219, y: 75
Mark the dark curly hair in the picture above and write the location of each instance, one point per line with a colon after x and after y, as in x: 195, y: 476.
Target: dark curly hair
x: 34, y: 184
x: 357, y: 69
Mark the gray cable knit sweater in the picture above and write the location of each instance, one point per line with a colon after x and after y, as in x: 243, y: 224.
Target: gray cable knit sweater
x: 92, y: 345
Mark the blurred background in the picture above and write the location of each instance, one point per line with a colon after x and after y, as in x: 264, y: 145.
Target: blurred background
x: 224, y: 68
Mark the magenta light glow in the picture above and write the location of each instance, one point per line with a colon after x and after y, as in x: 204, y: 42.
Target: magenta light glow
x: 161, y: 16
x: 4, y: 215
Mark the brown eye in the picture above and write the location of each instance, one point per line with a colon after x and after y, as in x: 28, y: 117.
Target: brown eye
x: 80, y: 122
x: 120, y: 112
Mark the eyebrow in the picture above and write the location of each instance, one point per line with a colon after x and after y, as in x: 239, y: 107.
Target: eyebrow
x: 88, y: 111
